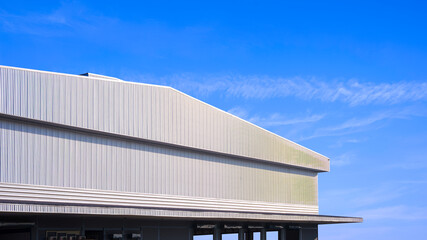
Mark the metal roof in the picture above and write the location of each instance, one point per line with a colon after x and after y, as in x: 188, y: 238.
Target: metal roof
x: 144, y: 111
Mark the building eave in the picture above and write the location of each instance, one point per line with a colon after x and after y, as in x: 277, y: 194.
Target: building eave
x: 175, y: 214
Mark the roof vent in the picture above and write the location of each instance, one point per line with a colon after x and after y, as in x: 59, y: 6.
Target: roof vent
x: 98, y: 76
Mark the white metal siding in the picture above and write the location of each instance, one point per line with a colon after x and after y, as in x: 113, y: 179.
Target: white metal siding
x: 143, y: 111
x: 39, y: 155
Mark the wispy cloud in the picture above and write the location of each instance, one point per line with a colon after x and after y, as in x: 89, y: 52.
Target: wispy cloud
x: 63, y: 21
x: 274, y: 120
x: 343, y: 159
x: 317, y: 129
x: 239, y: 112
x: 364, y: 197
x: 349, y: 91
x: 354, y: 125
x: 341, y: 142
x: 279, y: 120
x: 379, y: 195
x: 409, y: 164
x: 411, y: 182
x: 399, y: 212
x: 352, y: 232
x: 73, y: 20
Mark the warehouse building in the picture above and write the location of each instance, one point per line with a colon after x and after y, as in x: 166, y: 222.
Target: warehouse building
x: 94, y: 157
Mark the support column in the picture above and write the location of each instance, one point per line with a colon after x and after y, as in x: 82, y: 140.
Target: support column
x: 249, y: 235
x: 36, y: 228
x: 242, y: 234
x: 300, y: 233
x: 217, y: 233
x: 263, y: 234
x: 83, y: 228
x: 33, y: 233
x: 282, y: 234
x: 190, y: 233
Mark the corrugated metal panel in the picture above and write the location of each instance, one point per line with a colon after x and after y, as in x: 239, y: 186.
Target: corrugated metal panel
x: 71, y: 159
x: 19, y: 193
x: 109, y: 106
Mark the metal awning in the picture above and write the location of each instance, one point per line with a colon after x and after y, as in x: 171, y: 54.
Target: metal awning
x: 217, y: 216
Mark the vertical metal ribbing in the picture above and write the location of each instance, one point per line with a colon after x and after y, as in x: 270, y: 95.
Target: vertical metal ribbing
x: 69, y: 159
x: 97, y: 104
x: 63, y: 158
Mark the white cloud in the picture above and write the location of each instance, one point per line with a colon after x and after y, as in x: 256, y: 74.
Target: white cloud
x: 379, y: 195
x: 280, y: 120
x: 62, y: 22
x: 410, y: 164
x: 354, y: 231
x: 341, y: 142
x: 343, y: 159
x: 366, y: 123
x: 362, y: 197
x: 350, y: 91
x: 399, y: 212
x: 275, y: 119
x: 239, y: 112
x: 74, y: 20
x: 361, y: 122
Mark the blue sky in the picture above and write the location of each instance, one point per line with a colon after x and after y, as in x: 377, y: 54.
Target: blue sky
x: 348, y: 80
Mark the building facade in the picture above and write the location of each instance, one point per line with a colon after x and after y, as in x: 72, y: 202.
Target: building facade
x: 95, y: 157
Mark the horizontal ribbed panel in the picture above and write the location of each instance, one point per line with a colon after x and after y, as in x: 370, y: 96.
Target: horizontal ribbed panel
x: 202, y: 215
x: 42, y: 155
x: 56, y: 195
x: 143, y: 111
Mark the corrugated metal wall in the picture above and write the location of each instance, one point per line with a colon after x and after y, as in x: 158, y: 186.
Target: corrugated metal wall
x: 143, y: 111
x: 38, y: 155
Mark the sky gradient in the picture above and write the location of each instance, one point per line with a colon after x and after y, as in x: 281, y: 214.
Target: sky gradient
x: 348, y: 80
